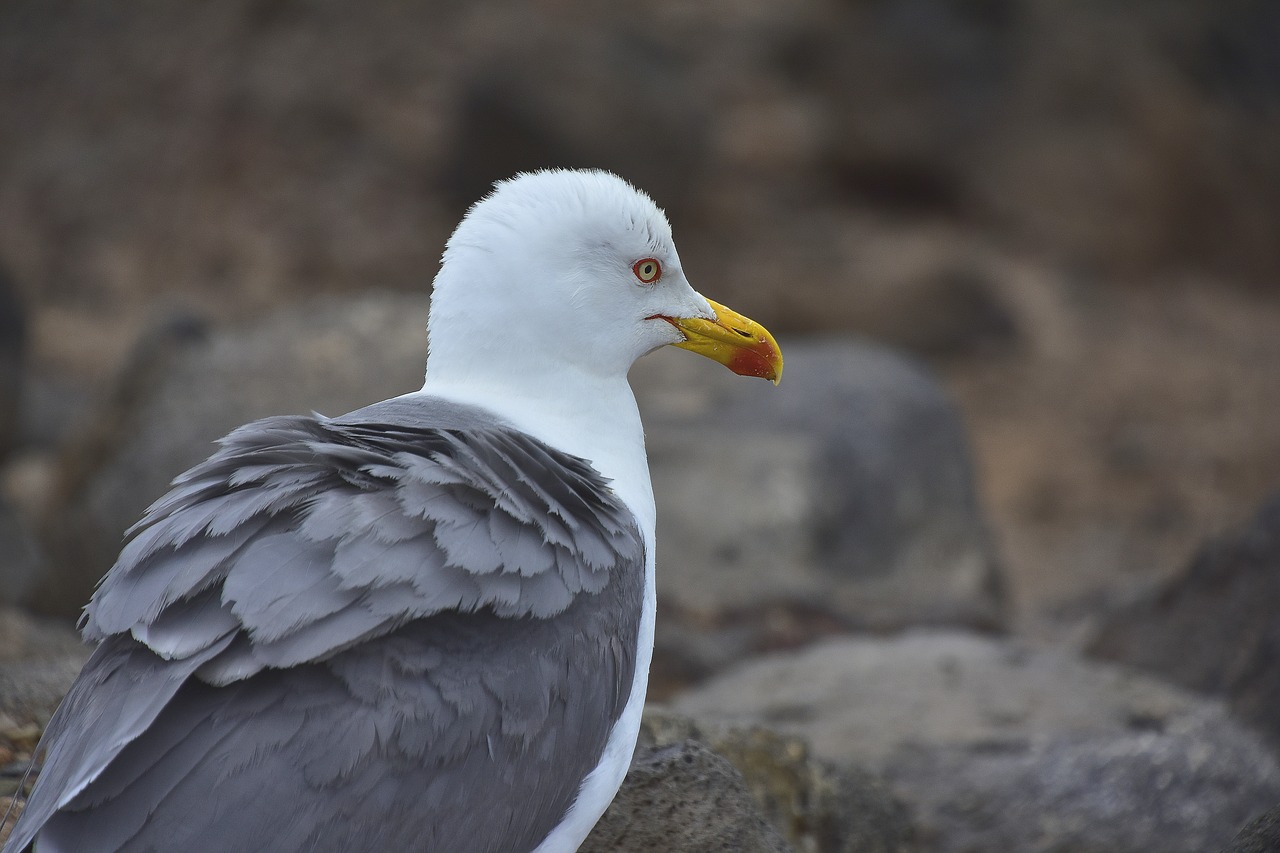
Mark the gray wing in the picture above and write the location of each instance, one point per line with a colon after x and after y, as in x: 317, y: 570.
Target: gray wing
x: 367, y: 599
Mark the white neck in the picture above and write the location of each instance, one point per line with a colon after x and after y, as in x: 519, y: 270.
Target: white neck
x: 585, y: 414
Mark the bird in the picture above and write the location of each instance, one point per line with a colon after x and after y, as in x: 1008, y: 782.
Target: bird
x: 423, y: 625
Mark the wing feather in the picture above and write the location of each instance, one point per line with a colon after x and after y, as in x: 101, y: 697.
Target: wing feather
x: 298, y: 541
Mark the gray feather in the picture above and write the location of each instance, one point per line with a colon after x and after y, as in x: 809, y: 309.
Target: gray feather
x: 189, y: 627
x: 116, y: 699
x: 384, y: 746
x: 342, y: 627
x: 367, y: 564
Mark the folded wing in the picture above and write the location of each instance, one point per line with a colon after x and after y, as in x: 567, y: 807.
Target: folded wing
x: 304, y: 544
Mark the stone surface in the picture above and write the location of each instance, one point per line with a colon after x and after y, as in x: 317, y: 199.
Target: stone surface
x: 1213, y: 627
x: 11, y: 812
x: 683, y: 798
x: 1134, y: 793
x: 818, y: 807
x: 998, y: 746
x: 25, y: 638
x: 22, y: 561
x: 848, y: 487
x: 39, y: 659
x: 1043, y: 121
x: 13, y: 344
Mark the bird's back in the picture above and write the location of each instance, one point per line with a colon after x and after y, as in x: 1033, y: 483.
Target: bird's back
x: 407, y: 628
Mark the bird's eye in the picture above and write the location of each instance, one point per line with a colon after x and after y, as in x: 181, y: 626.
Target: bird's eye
x: 648, y: 270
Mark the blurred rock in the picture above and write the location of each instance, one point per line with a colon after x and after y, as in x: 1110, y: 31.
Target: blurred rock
x: 848, y: 489
x: 13, y: 340
x: 692, y: 644
x: 190, y: 387
x: 819, y: 808
x: 938, y: 291
x: 9, y: 819
x: 999, y: 747
x: 268, y: 150
x: 1260, y: 835
x: 31, y: 690
x: 630, y: 105
x: 1214, y: 627
x: 1114, y: 136
x: 683, y: 798
x: 83, y: 455
x: 39, y: 660
x: 1130, y: 793
x: 21, y: 559
x: 25, y: 638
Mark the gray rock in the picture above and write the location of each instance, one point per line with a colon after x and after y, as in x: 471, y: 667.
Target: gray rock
x: 39, y: 658
x: 1000, y: 747
x: 1128, y: 793
x: 736, y: 515
x: 817, y: 806
x: 25, y: 638
x: 518, y: 111
x: 1214, y: 627
x: 189, y: 387
x: 683, y: 798
x: 848, y: 487
x: 30, y: 692
x: 22, y: 561
x: 13, y: 340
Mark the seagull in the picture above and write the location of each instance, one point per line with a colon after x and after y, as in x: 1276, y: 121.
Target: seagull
x: 423, y: 625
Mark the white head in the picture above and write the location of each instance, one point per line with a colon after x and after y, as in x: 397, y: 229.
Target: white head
x: 569, y: 273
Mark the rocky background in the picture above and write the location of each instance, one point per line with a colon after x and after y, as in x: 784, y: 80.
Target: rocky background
x: 994, y: 569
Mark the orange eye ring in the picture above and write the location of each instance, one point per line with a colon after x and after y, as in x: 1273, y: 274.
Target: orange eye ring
x: 648, y: 270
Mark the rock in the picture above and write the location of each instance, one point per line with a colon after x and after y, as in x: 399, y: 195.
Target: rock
x: 516, y: 113
x: 25, y: 638
x: 1124, y: 794
x: 21, y: 559
x: 683, y: 798
x: 1214, y: 627
x: 13, y: 341
x: 937, y: 289
x: 849, y: 488
x: 1260, y: 835
x: 943, y: 108
x: 316, y: 158
x: 1000, y: 747
x: 10, y: 812
x: 330, y: 355
x: 39, y: 659
x: 30, y: 692
x: 818, y: 807
x: 696, y: 786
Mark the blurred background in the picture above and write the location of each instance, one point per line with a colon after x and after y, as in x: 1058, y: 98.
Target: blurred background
x: 1065, y: 215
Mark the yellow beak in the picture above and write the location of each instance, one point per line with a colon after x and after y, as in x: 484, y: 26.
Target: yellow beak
x: 737, y: 342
